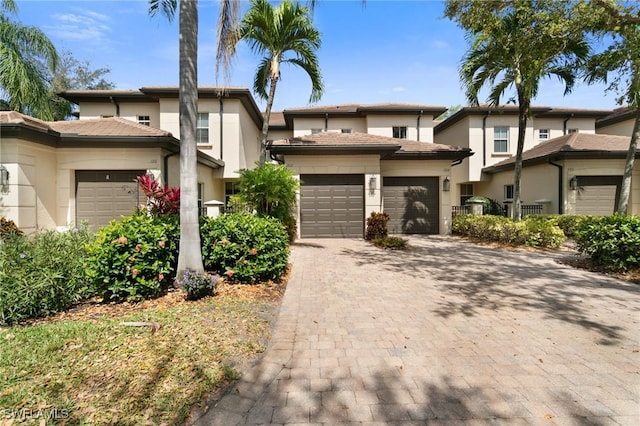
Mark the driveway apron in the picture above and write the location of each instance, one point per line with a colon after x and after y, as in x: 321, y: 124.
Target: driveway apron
x: 447, y: 332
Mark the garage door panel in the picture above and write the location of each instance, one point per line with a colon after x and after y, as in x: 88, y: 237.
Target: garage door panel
x: 597, y: 200
x: 412, y: 204
x: 332, y: 206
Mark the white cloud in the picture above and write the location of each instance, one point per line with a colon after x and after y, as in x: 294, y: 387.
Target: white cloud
x: 398, y: 89
x: 86, y: 25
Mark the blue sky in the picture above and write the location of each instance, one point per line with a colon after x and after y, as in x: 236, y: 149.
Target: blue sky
x: 384, y: 51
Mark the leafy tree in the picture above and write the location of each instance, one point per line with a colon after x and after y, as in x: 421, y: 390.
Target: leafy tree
x: 24, y: 52
x: 270, y: 189
x: 73, y: 74
x: 514, y: 44
x: 620, y: 61
x: 190, y: 254
x: 276, y: 33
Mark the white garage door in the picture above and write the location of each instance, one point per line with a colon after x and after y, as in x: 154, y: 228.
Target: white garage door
x: 103, y: 195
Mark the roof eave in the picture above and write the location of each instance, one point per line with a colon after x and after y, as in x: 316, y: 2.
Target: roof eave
x: 429, y: 155
x: 332, y: 149
x: 562, y: 155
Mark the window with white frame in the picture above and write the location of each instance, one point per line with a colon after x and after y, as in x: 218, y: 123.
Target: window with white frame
x: 400, y: 132
x: 202, y: 128
x: 543, y: 134
x: 345, y: 130
x: 314, y: 131
x: 501, y: 139
x: 145, y: 120
x: 508, y: 192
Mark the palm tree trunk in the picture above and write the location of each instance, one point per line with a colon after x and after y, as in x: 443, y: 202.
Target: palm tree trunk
x: 523, y: 112
x: 267, y: 116
x: 190, y: 254
x: 625, y: 188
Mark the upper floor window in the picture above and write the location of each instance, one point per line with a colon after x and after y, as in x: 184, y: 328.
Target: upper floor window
x: 573, y: 131
x: 500, y: 139
x: 400, y: 132
x: 543, y: 134
x: 202, y: 128
x: 314, y: 131
x: 144, y: 120
x: 345, y: 130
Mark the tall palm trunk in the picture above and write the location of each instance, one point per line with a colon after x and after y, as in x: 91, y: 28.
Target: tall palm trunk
x: 190, y: 255
x: 273, y: 82
x: 625, y: 188
x: 523, y: 112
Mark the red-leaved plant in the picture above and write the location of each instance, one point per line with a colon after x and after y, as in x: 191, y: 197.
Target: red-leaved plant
x: 159, y: 200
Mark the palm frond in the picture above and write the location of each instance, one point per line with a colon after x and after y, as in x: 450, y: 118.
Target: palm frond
x: 167, y: 8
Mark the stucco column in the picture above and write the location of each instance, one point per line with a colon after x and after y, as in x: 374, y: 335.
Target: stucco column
x: 372, y: 194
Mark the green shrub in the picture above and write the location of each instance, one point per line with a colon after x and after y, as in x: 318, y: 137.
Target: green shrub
x: 612, y: 242
x: 567, y: 222
x: 377, y: 226
x: 134, y: 258
x: 533, y: 232
x: 8, y: 228
x: 41, y: 274
x: 393, y: 243
x: 195, y: 285
x: 270, y: 190
x: 245, y: 248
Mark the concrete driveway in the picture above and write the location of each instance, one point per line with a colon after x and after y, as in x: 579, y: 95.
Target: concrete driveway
x: 446, y: 333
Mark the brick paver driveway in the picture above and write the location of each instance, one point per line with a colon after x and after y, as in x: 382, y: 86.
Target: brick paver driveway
x: 446, y: 333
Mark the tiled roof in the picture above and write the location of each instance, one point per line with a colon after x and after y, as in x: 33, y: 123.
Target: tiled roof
x: 13, y: 117
x: 114, y: 126
x: 276, y: 119
x: 618, y: 115
x: 574, y: 143
x: 328, y: 139
x: 355, y: 108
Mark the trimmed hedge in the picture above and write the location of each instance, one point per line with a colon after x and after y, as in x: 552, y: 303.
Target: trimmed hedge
x: 531, y: 231
x: 612, y: 242
x: 244, y: 247
x: 567, y: 222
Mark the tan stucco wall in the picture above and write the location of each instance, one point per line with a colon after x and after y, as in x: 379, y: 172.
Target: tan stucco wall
x: 432, y: 168
x: 303, y: 126
x: 382, y: 125
x: 458, y: 135
x: 624, y: 128
x: 275, y: 135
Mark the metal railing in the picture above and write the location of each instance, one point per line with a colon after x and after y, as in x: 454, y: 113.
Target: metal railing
x: 458, y: 210
x: 525, y: 210
x: 528, y: 209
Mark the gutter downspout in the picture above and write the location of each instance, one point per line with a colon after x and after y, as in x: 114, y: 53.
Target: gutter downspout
x: 165, y: 166
x: 221, y: 117
x: 326, y: 121
x: 113, y: 101
x: 484, y: 138
x: 272, y: 155
x: 564, y: 124
x: 418, y: 124
x: 560, y: 187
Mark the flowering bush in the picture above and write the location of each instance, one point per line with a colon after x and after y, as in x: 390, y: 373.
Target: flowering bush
x: 197, y: 286
x: 160, y: 200
x: 8, y: 228
x: 377, y: 226
x: 244, y: 247
x: 134, y: 258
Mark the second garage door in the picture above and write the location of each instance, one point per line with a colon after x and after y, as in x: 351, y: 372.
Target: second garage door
x: 412, y: 204
x: 332, y: 206
x: 597, y: 195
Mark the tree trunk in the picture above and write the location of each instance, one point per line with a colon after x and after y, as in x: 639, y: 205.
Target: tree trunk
x: 625, y: 188
x: 267, y: 116
x: 523, y: 113
x: 190, y: 254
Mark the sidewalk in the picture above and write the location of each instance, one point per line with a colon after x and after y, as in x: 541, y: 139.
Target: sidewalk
x: 446, y: 333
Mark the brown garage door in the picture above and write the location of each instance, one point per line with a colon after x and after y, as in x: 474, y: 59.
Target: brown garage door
x: 412, y: 204
x: 597, y: 195
x: 332, y: 206
x: 103, y: 195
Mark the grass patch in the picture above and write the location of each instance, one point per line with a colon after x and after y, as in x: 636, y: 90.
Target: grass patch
x: 88, y: 365
x: 392, y: 243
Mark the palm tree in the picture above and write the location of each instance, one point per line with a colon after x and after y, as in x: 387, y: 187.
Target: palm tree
x: 514, y: 45
x: 23, y: 50
x: 277, y: 33
x: 622, y: 59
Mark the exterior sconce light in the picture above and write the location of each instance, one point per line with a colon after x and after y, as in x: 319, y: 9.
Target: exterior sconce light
x: 151, y: 175
x: 372, y: 185
x: 4, y: 176
x: 573, y: 183
x: 446, y: 184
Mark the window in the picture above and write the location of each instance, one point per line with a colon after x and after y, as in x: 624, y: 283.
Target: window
x: 230, y: 188
x: 345, y: 130
x: 201, y: 208
x: 500, y: 139
x: 400, y: 132
x: 508, y: 192
x: 144, y: 120
x: 202, y: 128
x: 573, y: 131
x: 543, y: 134
x: 466, y: 192
x: 314, y: 131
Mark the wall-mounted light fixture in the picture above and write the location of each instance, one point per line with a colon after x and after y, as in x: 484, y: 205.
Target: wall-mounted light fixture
x: 151, y: 175
x: 573, y: 183
x: 4, y: 176
x: 372, y: 185
x: 446, y: 184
